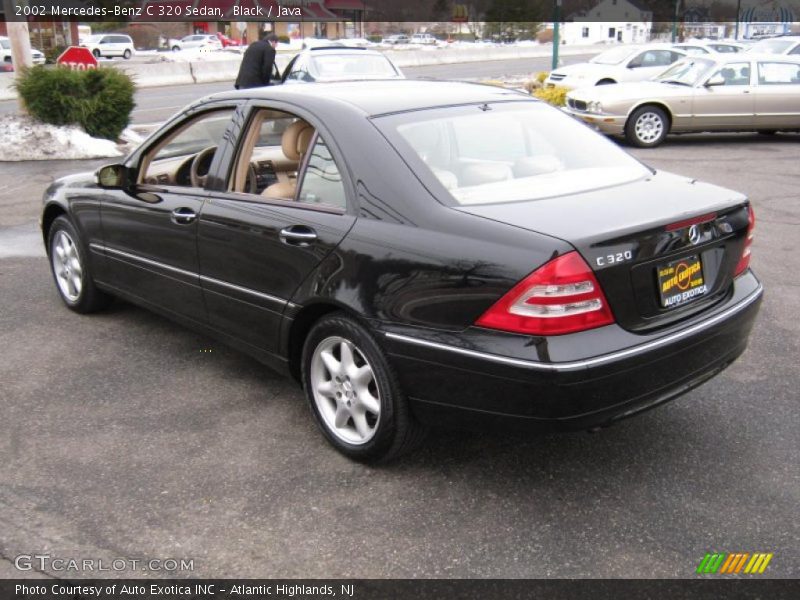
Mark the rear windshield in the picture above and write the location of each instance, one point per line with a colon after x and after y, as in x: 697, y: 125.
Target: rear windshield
x: 507, y: 152
x: 351, y: 66
x: 771, y: 46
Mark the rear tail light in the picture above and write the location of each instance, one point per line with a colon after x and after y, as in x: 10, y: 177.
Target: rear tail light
x: 562, y: 296
x: 744, y: 261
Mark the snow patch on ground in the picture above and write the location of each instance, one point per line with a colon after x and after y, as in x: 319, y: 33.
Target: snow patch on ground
x: 27, y: 139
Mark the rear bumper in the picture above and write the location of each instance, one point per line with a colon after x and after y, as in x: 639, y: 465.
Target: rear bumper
x: 491, y: 380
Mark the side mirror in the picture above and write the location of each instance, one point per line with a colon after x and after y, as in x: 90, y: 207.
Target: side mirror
x: 634, y: 64
x: 715, y: 80
x: 112, y: 177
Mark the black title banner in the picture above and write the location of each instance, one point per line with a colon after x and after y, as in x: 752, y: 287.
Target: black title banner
x: 689, y: 11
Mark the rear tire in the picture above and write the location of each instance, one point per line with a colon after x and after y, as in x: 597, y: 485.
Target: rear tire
x: 354, y: 393
x: 126, y: 55
x: 70, y: 268
x: 647, y: 127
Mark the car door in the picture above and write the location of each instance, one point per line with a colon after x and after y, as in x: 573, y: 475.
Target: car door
x: 726, y: 101
x: 150, y: 228
x: 777, y: 95
x: 255, y: 247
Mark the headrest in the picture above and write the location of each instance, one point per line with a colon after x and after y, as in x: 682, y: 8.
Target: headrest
x: 482, y: 173
x: 529, y: 166
x: 295, y: 139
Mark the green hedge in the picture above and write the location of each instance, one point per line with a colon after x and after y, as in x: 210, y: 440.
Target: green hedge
x: 99, y: 100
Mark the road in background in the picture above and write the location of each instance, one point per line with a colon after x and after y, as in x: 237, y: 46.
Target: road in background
x: 154, y: 105
x: 125, y: 435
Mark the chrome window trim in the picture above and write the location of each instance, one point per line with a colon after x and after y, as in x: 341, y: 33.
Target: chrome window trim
x: 583, y: 364
x: 154, y: 263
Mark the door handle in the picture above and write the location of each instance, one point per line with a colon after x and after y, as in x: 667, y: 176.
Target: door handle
x: 183, y: 216
x: 298, y: 235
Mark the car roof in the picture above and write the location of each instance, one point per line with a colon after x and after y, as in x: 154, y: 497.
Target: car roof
x: 383, y: 96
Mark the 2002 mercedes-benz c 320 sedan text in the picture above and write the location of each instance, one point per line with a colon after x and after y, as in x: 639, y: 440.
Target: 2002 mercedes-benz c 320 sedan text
x: 418, y: 253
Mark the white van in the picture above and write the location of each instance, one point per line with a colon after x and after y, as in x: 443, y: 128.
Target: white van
x: 110, y: 44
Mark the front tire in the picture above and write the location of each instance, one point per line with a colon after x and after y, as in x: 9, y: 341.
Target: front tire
x: 354, y: 394
x: 96, y: 53
x: 647, y: 127
x: 70, y: 269
x: 176, y: 48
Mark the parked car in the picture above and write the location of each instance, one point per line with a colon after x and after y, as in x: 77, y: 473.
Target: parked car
x: 338, y: 64
x: 415, y: 253
x: 623, y: 63
x: 226, y: 41
x: 701, y: 47
x: 423, y: 38
x: 787, y: 44
x: 397, y: 39
x: 733, y: 92
x: 37, y: 56
x: 108, y: 45
x: 199, y: 40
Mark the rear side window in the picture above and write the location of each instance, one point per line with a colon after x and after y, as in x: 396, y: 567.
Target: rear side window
x: 776, y: 73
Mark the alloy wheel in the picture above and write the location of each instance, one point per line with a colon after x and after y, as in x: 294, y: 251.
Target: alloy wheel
x: 649, y: 127
x: 67, y: 266
x: 345, y: 391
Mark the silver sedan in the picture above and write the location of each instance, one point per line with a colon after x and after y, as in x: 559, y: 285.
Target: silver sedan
x: 736, y: 92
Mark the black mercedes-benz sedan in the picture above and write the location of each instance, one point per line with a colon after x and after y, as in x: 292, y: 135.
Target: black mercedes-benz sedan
x: 418, y: 253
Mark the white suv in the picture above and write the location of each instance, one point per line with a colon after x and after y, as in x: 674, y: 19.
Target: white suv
x: 109, y: 44
x: 5, y: 52
x: 423, y: 38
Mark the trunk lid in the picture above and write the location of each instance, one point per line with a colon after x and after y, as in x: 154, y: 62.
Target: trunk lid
x: 645, y: 241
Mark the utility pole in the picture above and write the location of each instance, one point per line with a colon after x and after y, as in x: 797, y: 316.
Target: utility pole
x: 738, y: 12
x: 20, y: 42
x: 675, y: 21
x: 556, y: 23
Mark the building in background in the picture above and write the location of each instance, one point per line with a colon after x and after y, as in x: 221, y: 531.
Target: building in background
x: 610, y: 21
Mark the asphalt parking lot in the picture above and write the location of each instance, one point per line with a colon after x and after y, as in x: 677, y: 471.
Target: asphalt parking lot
x: 124, y: 435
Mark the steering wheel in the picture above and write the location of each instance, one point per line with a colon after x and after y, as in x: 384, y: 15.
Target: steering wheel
x: 200, y: 165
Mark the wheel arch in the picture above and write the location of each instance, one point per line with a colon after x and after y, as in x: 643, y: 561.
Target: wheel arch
x: 606, y: 81
x: 51, y: 213
x: 301, y: 325
x: 657, y: 104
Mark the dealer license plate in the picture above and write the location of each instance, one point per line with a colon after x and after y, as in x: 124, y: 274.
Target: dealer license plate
x: 681, y: 281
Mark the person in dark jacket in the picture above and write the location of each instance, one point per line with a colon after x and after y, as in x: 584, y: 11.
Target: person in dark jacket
x: 257, y: 63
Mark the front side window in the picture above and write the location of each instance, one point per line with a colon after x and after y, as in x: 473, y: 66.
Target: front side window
x: 532, y: 152
x: 183, y: 157
x: 735, y: 74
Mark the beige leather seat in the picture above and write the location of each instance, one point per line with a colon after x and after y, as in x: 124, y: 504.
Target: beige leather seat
x: 294, y: 143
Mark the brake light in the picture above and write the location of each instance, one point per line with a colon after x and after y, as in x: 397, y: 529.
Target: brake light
x: 744, y: 261
x: 562, y: 296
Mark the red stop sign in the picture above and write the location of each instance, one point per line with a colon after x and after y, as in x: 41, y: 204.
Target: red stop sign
x: 77, y: 58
